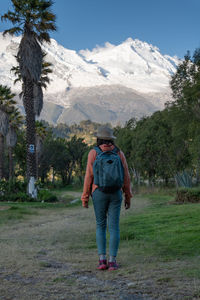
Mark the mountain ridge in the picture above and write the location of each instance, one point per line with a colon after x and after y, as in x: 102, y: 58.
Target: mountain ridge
x: 117, y: 81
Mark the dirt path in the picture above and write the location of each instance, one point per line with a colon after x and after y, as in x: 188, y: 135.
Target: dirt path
x: 52, y: 256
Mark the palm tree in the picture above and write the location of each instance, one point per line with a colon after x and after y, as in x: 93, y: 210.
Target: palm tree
x: 15, y: 121
x: 34, y: 20
x: 6, y: 106
x: 44, y: 80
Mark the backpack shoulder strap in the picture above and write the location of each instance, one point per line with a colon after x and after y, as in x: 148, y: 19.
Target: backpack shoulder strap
x: 98, y: 150
x: 116, y: 149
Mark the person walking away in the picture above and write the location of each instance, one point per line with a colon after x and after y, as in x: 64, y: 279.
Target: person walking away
x: 106, y: 177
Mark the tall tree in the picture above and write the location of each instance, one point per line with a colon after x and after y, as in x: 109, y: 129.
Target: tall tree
x: 44, y: 80
x: 185, y: 85
x: 33, y: 19
x: 76, y: 149
x: 6, y: 107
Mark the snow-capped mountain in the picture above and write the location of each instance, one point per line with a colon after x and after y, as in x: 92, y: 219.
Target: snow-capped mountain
x: 110, y: 83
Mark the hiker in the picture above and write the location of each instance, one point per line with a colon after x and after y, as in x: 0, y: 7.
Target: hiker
x: 105, y: 185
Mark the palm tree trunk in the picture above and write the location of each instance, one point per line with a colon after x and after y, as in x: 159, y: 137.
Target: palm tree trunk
x: 198, y: 170
x: 37, y: 162
x: 53, y: 176
x: 10, y: 162
x: 1, y: 155
x: 30, y: 136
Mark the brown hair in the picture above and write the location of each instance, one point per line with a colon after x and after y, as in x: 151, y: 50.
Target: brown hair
x: 102, y: 141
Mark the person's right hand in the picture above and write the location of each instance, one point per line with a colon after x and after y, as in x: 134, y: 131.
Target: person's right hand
x: 85, y: 205
x: 127, y: 204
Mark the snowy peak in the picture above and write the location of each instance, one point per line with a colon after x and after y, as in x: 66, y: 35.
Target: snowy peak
x: 133, y: 64
x: 112, y: 83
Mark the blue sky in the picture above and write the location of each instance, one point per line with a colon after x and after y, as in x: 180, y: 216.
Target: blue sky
x: 171, y: 25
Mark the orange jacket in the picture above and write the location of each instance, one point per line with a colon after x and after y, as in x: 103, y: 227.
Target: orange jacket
x: 89, y: 185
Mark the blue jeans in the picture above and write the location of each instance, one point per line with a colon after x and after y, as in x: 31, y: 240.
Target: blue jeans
x: 107, y: 207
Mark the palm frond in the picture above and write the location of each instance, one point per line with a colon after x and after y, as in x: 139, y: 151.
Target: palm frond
x: 12, y: 31
x: 46, y: 64
x: 11, y: 102
x: 12, y: 17
x: 44, y: 26
x: 46, y: 16
x: 15, y: 118
x: 47, y: 71
x: 16, y: 80
x: 43, y: 85
x: 44, y: 36
x: 5, y: 92
x: 44, y: 4
x: 21, y: 94
x: 18, y: 5
x: 16, y: 71
x: 44, y: 79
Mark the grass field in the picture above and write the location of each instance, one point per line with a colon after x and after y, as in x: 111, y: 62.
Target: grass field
x: 11, y: 212
x: 166, y: 231
x: 159, y: 250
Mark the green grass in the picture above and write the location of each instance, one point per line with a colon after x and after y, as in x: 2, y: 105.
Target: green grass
x: 68, y: 188
x: 163, y: 231
x: 66, y: 279
x: 62, y: 197
x: 63, y: 194
x: 16, y: 212
x: 193, y: 272
x: 32, y: 205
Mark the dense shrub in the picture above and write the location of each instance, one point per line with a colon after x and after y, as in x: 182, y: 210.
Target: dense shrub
x: 185, y: 195
x: 3, y: 185
x: 15, y: 191
x: 12, y: 186
x: 46, y: 196
x: 16, y: 197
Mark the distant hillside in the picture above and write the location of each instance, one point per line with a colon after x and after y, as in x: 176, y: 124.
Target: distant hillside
x: 85, y: 130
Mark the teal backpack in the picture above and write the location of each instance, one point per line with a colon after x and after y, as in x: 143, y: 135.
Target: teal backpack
x: 108, y: 170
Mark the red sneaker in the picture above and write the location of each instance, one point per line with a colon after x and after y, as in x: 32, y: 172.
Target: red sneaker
x: 102, y: 265
x: 112, y: 266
